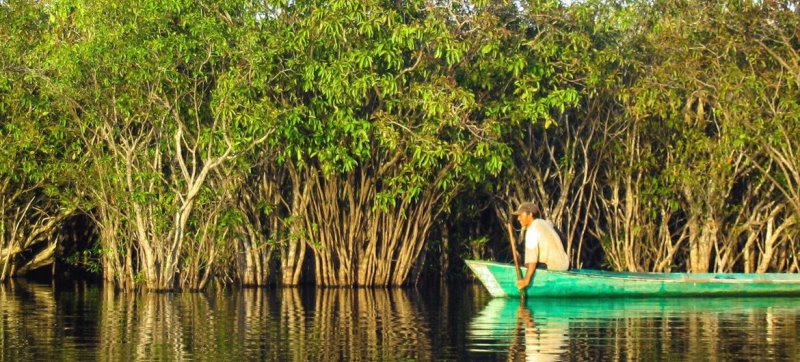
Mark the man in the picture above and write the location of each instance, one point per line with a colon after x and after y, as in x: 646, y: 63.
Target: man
x: 543, y: 248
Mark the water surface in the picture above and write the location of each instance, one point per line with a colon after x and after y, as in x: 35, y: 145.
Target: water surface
x: 459, y: 322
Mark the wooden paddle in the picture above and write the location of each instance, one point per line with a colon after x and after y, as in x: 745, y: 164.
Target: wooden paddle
x: 514, y: 253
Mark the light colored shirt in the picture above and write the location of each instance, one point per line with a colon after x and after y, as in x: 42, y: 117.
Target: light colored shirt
x: 542, y: 245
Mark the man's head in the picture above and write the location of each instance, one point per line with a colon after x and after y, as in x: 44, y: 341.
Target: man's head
x: 526, y: 212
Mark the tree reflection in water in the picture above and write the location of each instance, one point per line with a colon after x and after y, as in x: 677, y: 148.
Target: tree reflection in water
x: 81, y: 322
x: 249, y: 324
x: 349, y: 324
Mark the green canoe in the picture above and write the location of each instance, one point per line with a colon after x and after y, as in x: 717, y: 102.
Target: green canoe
x: 500, y: 279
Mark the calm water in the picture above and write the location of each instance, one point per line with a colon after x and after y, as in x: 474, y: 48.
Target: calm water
x: 82, y: 322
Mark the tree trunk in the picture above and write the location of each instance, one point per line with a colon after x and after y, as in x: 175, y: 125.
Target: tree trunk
x: 294, y: 251
x: 700, y: 253
x: 444, y: 253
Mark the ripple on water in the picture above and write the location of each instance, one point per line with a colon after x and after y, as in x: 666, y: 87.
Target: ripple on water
x: 39, y: 322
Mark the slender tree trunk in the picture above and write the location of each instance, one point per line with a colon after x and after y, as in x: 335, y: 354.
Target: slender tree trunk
x: 294, y: 251
x: 444, y: 253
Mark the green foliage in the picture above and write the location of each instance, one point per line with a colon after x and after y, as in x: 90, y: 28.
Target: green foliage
x: 114, y: 105
x: 88, y: 260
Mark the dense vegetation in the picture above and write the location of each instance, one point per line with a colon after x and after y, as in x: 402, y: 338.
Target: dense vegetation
x: 368, y: 142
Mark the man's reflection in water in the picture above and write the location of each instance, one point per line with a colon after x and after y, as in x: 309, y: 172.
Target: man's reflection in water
x: 537, y: 340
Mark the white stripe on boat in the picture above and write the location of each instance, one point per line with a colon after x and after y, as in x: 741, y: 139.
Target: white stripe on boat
x: 489, y: 281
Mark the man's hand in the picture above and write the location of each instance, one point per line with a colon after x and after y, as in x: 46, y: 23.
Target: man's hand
x: 522, y: 284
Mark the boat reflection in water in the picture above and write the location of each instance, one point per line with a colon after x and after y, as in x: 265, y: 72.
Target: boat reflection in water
x: 508, y: 324
x: 637, y: 329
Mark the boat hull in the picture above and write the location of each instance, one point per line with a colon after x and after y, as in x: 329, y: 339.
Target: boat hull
x: 500, y: 280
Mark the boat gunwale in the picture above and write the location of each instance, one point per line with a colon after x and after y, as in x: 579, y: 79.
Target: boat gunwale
x: 657, y: 278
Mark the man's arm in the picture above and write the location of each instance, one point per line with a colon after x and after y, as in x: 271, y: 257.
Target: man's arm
x: 525, y: 281
x: 531, y: 256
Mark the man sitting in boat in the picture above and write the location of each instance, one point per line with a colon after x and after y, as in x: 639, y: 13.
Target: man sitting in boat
x: 543, y: 247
